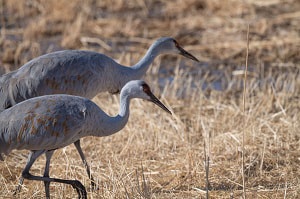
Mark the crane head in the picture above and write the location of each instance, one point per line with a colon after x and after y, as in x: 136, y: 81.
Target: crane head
x: 168, y: 44
x: 154, y: 99
x: 140, y: 89
x: 184, y: 52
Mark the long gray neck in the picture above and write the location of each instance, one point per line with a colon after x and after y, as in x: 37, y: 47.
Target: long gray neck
x: 142, y: 66
x: 112, y: 125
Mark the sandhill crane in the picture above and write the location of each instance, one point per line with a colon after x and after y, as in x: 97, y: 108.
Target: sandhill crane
x: 46, y: 123
x: 82, y: 73
x: 77, y: 72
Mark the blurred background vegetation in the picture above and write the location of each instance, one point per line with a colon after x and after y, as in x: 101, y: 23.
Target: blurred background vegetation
x: 173, y: 153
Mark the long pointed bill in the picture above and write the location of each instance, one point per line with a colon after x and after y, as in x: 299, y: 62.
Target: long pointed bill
x: 186, y: 54
x: 158, y: 103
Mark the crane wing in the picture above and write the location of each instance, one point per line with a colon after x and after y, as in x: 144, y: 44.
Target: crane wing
x: 47, y: 122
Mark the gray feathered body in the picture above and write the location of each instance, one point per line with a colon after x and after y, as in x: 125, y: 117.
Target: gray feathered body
x: 82, y: 73
x: 77, y: 72
x: 51, y: 122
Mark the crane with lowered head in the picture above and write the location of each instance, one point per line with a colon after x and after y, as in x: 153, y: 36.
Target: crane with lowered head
x: 46, y: 123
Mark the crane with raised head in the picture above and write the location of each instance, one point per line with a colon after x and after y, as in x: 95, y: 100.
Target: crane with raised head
x: 46, y: 123
x: 77, y: 72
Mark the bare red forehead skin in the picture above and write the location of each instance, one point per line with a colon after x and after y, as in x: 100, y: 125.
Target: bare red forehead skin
x: 146, y: 89
x: 176, y: 43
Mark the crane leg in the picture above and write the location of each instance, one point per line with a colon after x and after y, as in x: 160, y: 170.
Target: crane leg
x: 78, y: 147
x: 46, y: 172
x: 74, y: 183
x: 21, y: 179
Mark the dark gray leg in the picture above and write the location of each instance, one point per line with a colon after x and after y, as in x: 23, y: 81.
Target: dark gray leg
x: 21, y: 179
x: 78, y: 147
x: 46, y: 173
x: 74, y: 183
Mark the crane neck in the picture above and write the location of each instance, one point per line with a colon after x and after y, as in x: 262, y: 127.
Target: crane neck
x: 123, y: 115
x: 142, y: 66
x: 112, y: 125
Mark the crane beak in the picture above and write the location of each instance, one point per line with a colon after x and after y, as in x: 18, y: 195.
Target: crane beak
x: 158, y: 103
x: 186, y: 54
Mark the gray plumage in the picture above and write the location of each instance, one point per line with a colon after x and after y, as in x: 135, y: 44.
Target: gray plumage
x: 75, y: 72
x: 46, y: 123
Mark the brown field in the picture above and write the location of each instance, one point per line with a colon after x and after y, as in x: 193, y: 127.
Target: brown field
x: 158, y: 155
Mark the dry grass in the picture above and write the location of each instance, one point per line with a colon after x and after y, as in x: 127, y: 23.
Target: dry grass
x: 162, y: 156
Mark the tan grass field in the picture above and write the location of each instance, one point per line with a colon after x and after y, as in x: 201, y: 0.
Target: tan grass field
x: 157, y: 155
